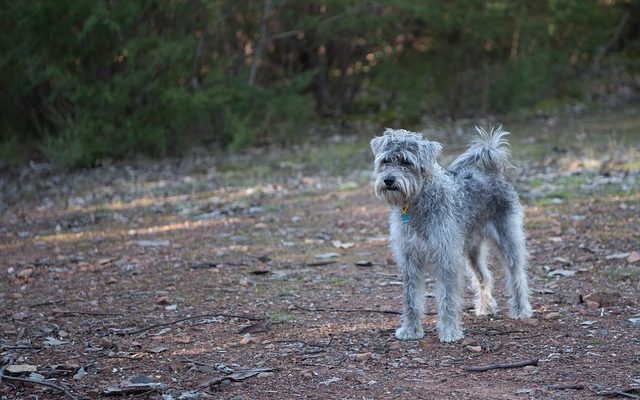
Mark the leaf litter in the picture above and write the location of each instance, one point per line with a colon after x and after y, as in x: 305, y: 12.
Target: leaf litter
x: 119, y: 251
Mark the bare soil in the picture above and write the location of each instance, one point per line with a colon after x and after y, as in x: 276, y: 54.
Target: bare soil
x: 181, y: 278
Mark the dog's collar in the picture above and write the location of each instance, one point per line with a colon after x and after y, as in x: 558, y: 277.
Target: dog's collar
x: 404, y: 214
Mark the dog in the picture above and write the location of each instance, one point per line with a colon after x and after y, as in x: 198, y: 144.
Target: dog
x: 443, y: 219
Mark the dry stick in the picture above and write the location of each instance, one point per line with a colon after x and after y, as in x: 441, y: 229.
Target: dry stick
x: 91, y: 313
x: 616, y: 393
x: 43, y: 383
x: 566, y: 386
x: 46, y: 303
x: 348, y: 310
x: 146, y: 328
x: 483, y: 368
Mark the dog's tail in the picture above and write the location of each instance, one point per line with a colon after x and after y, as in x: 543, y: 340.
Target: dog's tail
x: 488, y: 151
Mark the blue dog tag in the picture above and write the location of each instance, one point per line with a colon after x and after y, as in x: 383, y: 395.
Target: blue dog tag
x: 406, y: 217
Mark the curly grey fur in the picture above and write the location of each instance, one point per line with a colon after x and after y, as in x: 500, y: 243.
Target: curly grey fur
x: 450, y: 217
x: 488, y: 151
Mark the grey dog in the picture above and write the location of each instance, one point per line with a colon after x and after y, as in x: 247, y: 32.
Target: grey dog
x: 445, y: 218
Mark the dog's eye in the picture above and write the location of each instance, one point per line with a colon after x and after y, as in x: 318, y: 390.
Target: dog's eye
x: 385, y: 161
x: 405, y: 163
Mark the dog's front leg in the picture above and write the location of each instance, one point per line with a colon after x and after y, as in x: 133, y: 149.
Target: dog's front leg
x: 413, y: 287
x: 448, y: 299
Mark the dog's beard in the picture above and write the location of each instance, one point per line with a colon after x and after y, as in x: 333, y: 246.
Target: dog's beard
x: 403, y: 190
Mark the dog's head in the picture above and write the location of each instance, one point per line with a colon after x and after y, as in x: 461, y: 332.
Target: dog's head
x: 403, y: 162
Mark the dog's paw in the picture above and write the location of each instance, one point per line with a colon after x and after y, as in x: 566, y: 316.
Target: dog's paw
x: 522, y: 313
x: 409, y: 333
x: 449, y: 335
x: 487, y: 307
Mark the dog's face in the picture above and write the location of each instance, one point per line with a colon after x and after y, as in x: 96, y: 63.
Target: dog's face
x: 403, y: 162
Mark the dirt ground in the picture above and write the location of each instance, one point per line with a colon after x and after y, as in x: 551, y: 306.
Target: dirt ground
x: 269, y: 277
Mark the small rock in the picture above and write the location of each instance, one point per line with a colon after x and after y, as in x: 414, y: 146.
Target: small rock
x: 80, y: 374
x: 158, y: 349
x: 617, y: 256
x: 153, y: 243
x: 469, y: 342
x: 190, y: 395
x: 364, y: 263
x: 561, y: 272
x: 363, y: 356
x: 51, y: 341
x: 341, y: 245
x: 25, y: 274
x: 604, y: 299
x: 21, y: 368
x: 163, y: 300
x: 395, y: 346
x: 330, y: 381
x: 306, y: 374
x: 34, y: 376
x: 326, y: 256
x: 552, y: 315
x: 634, y: 322
x: 593, y: 305
x: 562, y: 261
x: 183, y: 339
x: 475, y: 349
x: 530, y: 368
x: 265, y: 374
x: 246, y: 339
x: 634, y: 257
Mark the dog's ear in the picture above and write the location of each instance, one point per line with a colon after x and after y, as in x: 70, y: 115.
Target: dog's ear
x: 377, y: 143
x: 429, y: 152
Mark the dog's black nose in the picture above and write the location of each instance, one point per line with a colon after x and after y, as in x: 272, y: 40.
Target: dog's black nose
x: 389, y: 180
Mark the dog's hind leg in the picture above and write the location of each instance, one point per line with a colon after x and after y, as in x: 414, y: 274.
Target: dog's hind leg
x: 510, y: 240
x: 482, y: 280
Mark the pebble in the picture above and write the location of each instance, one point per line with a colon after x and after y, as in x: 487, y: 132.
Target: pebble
x: 552, y: 315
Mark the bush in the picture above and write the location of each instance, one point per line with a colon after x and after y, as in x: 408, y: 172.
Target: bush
x: 88, y: 79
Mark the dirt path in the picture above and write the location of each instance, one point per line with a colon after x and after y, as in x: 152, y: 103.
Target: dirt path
x: 284, y: 288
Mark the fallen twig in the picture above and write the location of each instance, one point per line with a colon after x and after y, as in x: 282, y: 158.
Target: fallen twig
x: 3, y: 347
x: 46, y: 303
x: 146, y: 328
x: 566, y: 386
x: 616, y: 393
x: 483, y: 368
x: 91, y: 313
x: 348, y: 310
x: 43, y: 383
x: 320, y: 263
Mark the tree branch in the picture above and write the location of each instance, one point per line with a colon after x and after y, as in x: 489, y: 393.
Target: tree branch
x: 483, y: 368
x: 43, y: 383
x: 257, y: 58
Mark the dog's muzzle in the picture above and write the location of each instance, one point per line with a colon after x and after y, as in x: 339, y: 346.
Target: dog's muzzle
x: 389, y: 182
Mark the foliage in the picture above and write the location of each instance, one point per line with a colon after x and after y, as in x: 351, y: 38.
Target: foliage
x: 85, y: 80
